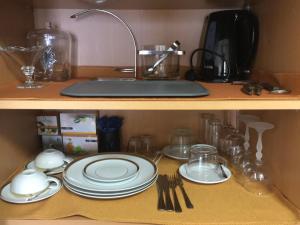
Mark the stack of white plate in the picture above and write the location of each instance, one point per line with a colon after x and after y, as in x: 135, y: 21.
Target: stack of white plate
x: 109, y: 175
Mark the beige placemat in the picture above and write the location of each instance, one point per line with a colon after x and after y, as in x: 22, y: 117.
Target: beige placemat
x: 227, y: 203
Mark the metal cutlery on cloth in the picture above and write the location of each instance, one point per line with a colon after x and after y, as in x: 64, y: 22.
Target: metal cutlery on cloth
x: 173, y: 185
x: 164, y: 184
x: 160, y: 192
x: 166, y: 188
x: 187, y: 200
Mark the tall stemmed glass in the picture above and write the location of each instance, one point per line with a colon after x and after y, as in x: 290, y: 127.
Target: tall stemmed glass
x: 32, y: 55
x: 258, y: 182
x: 247, y: 156
x: 28, y: 70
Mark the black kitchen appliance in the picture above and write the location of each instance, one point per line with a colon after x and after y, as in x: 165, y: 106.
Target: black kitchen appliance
x: 229, y: 47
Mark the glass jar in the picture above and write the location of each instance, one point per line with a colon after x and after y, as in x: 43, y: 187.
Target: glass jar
x: 54, y: 61
x: 166, y: 69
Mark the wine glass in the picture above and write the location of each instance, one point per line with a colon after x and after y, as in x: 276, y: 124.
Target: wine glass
x: 247, y: 156
x: 28, y: 71
x: 258, y: 181
x: 32, y: 55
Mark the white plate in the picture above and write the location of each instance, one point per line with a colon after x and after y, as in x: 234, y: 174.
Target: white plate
x: 204, y: 175
x: 110, y: 170
x: 7, y: 196
x: 98, y: 196
x: 31, y: 165
x: 175, y: 153
x: 73, y: 173
x: 108, y: 193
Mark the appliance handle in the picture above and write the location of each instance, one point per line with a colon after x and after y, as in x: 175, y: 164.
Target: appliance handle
x: 225, y: 64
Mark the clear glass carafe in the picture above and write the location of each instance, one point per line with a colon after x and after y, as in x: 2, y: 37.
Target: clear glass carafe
x: 54, y: 63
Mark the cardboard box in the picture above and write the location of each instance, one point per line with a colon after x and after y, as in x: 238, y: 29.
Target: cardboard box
x: 78, y: 123
x: 47, y: 125
x: 53, y: 142
x: 80, y: 145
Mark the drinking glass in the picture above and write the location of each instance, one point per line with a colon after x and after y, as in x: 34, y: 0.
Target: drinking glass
x: 223, y: 142
x: 204, y: 130
x: 204, y: 162
x: 235, y: 146
x: 181, y: 140
x: 134, y: 145
x: 147, y: 145
x: 215, y: 127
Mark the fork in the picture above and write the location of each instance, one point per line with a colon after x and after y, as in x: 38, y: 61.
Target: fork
x: 165, y: 183
x: 172, y: 182
x: 187, y: 201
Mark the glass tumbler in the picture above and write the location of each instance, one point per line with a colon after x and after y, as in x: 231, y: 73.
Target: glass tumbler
x: 204, y: 130
x: 215, y: 127
x: 204, y: 163
x: 223, y: 142
x: 147, y: 145
x: 235, y: 146
x: 134, y: 145
x: 180, y: 141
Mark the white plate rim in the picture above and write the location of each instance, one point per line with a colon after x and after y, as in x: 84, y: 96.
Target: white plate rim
x: 182, y: 172
x: 110, y: 197
x: 166, y: 153
x: 57, y: 170
x: 41, y: 197
x: 111, y: 180
x: 108, y: 193
x: 107, y: 189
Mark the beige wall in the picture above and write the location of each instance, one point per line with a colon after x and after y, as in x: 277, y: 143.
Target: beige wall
x: 16, y: 18
x: 101, y: 41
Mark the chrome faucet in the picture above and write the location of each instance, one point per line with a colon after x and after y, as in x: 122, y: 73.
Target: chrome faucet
x: 127, y: 26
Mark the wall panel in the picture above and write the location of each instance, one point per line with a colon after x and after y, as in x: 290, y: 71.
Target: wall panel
x: 16, y: 19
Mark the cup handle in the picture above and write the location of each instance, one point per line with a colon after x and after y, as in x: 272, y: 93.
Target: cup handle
x: 55, y: 180
x: 68, y: 159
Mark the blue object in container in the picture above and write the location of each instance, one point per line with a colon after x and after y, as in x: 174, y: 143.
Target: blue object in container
x: 109, y: 132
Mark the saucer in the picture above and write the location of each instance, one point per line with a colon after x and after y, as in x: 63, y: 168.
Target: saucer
x: 111, y: 170
x: 204, y: 175
x: 7, y: 196
x: 57, y: 170
x: 174, y: 153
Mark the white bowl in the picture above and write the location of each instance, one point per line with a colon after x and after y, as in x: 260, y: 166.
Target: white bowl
x: 29, y: 182
x: 50, y: 159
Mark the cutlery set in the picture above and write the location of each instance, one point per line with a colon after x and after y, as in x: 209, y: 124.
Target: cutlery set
x: 164, y: 185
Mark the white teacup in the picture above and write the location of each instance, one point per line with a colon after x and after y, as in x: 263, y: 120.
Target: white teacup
x: 50, y: 159
x: 30, y: 182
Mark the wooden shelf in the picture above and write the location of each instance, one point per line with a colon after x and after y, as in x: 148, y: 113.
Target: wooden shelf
x: 232, y: 202
x: 222, y: 97
x: 139, y: 4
